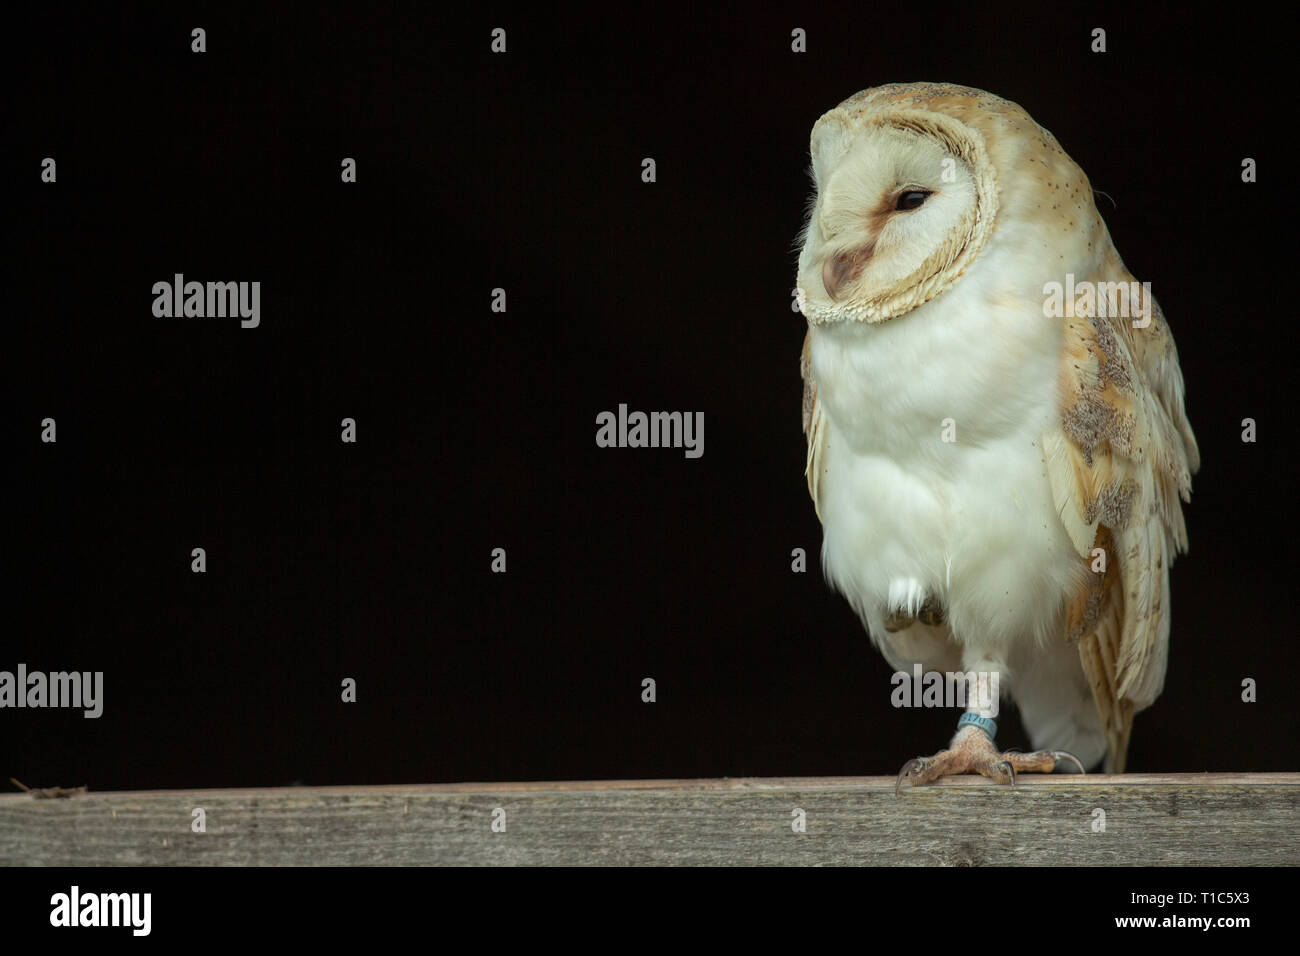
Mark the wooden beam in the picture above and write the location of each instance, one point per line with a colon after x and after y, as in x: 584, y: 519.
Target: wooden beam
x: 1163, y: 819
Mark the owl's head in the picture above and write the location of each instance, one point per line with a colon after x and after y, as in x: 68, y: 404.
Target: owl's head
x: 906, y: 197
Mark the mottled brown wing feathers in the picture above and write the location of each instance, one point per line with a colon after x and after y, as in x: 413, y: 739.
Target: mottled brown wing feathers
x: 1118, y: 465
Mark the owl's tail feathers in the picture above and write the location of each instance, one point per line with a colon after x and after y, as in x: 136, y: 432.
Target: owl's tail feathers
x: 1097, y: 618
x: 1117, y: 732
x: 1115, y: 762
x: 1097, y: 655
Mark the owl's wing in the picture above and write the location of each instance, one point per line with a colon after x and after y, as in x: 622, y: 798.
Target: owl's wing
x: 814, y: 426
x: 1118, y: 463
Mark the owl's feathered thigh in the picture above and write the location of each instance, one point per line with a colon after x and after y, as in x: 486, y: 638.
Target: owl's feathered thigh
x: 967, y: 448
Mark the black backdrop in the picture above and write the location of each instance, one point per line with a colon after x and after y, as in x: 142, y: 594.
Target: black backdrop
x: 476, y: 430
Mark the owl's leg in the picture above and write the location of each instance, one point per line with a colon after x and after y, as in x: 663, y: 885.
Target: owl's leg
x: 972, y: 751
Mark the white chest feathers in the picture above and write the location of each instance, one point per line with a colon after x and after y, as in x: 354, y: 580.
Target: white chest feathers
x: 933, y: 481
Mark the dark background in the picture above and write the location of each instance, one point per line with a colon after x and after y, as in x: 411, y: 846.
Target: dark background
x: 476, y: 430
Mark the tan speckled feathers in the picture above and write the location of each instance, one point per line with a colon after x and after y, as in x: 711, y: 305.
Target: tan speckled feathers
x: 1118, y: 465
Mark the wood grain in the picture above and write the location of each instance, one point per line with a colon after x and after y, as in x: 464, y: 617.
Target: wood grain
x: 1207, y: 819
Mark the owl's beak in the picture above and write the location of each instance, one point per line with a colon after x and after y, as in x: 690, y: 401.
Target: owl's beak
x: 842, y: 268
x: 834, y: 272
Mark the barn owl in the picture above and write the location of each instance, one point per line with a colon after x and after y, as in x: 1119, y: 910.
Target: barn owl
x: 996, y: 436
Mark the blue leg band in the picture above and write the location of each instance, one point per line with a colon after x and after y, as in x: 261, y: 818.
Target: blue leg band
x: 970, y: 719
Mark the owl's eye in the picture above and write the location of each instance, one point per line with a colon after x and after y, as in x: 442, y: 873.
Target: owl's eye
x: 911, y: 199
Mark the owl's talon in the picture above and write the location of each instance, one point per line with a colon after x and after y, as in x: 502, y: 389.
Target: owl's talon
x: 916, y: 763
x: 1066, y: 755
x: 972, y: 751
